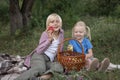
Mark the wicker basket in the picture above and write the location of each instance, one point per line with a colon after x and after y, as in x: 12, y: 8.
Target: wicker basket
x: 69, y: 59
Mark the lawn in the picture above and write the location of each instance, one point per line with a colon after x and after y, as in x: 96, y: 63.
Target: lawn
x: 105, y: 39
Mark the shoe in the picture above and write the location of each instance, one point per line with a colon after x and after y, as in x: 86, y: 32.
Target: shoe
x: 112, y: 66
x: 118, y: 66
x: 46, y: 76
x: 94, y: 65
x: 104, y: 65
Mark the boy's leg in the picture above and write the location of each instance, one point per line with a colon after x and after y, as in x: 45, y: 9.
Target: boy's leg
x: 38, y: 67
x: 104, y: 64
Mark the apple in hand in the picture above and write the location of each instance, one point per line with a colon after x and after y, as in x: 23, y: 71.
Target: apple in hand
x: 51, y: 28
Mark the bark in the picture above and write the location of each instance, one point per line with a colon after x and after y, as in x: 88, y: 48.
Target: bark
x: 26, y: 11
x: 15, y: 16
x: 19, y: 18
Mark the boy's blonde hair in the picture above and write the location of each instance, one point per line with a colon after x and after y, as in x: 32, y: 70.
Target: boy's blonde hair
x: 81, y: 23
x: 51, y: 16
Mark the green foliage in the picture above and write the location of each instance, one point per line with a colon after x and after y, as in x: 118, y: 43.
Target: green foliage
x: 72, y: 11
x: 105, y: 30
x: 72, y: 75
x: 106, y: 7
x: 4, y: 15
x: 116, y: 12
x: 105, y: 37
x: 21, y: 44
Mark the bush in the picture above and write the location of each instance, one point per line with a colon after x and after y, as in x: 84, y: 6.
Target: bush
x: 4, y: 6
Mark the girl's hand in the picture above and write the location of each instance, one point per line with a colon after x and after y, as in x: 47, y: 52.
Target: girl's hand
x: 89, y: 55
x: 51, y: 28
x: 50, y: 31
x: 86, y: 57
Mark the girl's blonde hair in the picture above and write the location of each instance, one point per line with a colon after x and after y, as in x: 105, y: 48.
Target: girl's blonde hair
x: 81, y: 23
x: 51, y: 16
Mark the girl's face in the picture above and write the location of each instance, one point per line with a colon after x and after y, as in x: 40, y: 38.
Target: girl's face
x: 79, y: 32
x: 55, y: 23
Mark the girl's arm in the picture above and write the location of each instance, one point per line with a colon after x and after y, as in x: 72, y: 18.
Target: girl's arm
x: 44, y: 42
x: 90, y: 54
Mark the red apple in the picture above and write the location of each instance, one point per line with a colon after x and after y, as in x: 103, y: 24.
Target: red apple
x: 51, y: 28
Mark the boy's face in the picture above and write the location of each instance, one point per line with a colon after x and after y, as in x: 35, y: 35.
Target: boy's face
x: 55, y: 23
x: 79, y: 32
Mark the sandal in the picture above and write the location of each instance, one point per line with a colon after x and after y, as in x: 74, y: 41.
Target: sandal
x: 94, y: 65
x: 104, y: 64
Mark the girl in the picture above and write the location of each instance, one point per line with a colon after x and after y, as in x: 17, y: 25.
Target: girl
x: 41, y: 60
x: 80, y: 32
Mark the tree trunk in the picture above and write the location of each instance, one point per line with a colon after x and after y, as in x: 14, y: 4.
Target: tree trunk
x: 19, y: 18
x: 15, y: 16
x: 26, y: 11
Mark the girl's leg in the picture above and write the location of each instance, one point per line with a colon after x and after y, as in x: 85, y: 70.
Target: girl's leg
x: 53, y: 67
x: 38, y: 67
x: 118, y: 66
x: 92, y: 64
x: 113, y: 66
x: 56, y: 67
x: 27, y: 74
x: 104, y: 64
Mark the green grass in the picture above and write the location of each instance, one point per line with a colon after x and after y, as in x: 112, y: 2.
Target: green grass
x: 105, y: 39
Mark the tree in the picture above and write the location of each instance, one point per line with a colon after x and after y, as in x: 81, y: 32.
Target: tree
x: 20, y: 14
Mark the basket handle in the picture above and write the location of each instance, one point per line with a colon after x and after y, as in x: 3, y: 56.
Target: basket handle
x: 66, y: 39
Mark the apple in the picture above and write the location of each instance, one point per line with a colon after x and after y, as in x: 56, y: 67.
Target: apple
x: 51, y: 28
